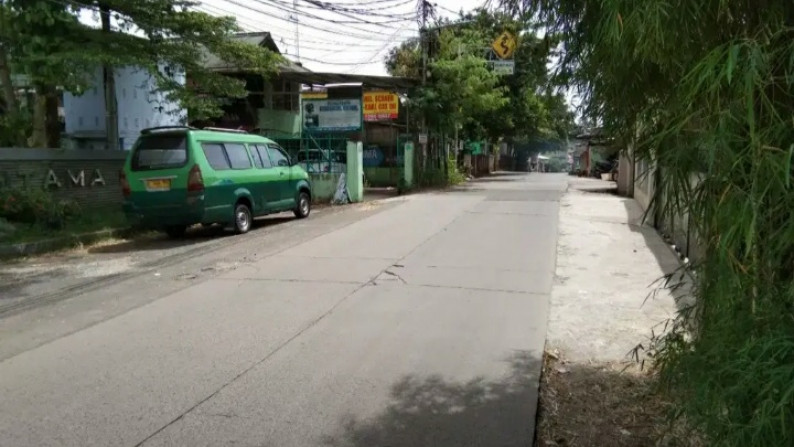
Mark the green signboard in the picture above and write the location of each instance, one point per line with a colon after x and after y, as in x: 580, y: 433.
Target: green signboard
x: 475, y: 147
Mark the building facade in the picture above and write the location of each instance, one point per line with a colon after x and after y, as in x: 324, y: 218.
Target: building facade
x: 140, y: 105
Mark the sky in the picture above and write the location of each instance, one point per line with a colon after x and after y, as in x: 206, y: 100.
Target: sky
x: 340, y: 42
x: 353, y: 40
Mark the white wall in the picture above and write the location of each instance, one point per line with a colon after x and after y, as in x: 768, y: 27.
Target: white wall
x: 139, y: 106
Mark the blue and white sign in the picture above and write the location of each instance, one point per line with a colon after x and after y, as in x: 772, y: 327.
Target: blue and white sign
x: 373, y: 156
x: 331, y: 115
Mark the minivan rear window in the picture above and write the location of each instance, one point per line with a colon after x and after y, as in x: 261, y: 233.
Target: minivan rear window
x: 159, y: 152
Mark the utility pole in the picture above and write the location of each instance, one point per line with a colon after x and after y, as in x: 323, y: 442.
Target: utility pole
x: 425, y: 11
x: 109, y: 83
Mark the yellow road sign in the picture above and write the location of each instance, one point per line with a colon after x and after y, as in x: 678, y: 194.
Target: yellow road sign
x: 505, y: 45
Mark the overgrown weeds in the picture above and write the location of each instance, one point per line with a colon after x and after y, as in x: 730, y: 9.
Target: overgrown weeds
x: 704, y: 91
x: 35, y: 206
x: 604, y: 404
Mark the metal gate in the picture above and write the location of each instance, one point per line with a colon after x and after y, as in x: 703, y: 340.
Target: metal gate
x: 317, y: 153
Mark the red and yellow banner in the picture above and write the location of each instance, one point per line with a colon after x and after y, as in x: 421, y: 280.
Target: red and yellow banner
x: 381, y: 106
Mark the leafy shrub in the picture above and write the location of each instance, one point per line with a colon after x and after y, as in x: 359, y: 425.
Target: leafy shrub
x: 15, y: 128
x: 6, y: 228
x: 36, y: 206
x: 455, y: 177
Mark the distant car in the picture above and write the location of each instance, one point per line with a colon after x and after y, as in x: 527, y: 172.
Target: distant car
x: 317, y: 161
x: 176, y: 177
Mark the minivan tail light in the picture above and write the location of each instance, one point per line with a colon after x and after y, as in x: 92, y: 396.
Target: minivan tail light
x: 125, y: 185
x: 195, y: 181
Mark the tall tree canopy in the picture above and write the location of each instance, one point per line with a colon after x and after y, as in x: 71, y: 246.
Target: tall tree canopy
x: 704, y: 91
x: 45, y: 41
x: 461, y: 89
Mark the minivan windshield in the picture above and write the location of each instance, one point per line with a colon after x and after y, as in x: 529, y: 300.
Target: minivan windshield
x: 159, y: 152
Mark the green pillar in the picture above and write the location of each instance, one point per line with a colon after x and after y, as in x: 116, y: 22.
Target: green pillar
x: 408, y: 161
x: 355, y: 170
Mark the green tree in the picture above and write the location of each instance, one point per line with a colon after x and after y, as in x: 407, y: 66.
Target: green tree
x: 462, y: 89
x: 45, y: 41
x: 704, y: 90
x: 405, y: 60
x: 526, y: 107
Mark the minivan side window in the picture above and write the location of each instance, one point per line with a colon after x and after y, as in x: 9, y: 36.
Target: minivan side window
x: 238, y: 156
x: 255, y: 156
x: 216, y: 156
x: 277, y: 156
x: 261, y: 151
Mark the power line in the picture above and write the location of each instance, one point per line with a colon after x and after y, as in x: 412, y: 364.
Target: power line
x: 262, y: 27
x: 369, y: 61
x: 315, y: 27
x: 336, y: 63
x: 326, y: 51
x: 374, y: 3
x: 374, y: 56
x: 285, y: 35
x: 447, y: 9
x: 389, y: 40
x: 347, y: 23
x: 316, y: 4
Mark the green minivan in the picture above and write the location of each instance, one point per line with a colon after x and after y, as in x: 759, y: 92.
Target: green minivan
x: 175, y: 177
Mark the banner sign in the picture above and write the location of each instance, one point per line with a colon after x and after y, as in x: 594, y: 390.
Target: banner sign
x: 314, y: 95
x: 331, y: 115
x: 381, y: 106
x: 373, y: 156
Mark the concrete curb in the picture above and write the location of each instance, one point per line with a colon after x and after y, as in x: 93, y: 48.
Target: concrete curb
x: 47, y: 245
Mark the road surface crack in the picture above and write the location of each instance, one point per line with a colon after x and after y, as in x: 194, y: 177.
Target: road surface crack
x: 389, y: 272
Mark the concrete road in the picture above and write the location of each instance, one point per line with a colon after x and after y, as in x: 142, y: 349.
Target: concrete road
x: 419, y: 322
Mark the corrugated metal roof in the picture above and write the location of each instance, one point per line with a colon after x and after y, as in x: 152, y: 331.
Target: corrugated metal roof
x: 384, y: 82
x: 262, y: 39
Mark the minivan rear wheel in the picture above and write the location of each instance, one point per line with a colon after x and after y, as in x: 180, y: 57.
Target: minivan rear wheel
x: 304, y: 205
x: 175, y: 231
x: 242, y: 218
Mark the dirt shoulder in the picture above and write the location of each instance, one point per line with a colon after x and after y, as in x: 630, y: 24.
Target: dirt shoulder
x: 605, y: 302
x: 599, y: 404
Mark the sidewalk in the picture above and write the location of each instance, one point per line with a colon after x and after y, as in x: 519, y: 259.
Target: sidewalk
x: 603, y: 305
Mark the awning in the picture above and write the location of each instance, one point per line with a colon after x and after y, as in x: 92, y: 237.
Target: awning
x: 385, y: 82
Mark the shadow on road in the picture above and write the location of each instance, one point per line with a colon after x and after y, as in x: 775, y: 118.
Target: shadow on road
x: 435, y: 412
x: 194, y: 236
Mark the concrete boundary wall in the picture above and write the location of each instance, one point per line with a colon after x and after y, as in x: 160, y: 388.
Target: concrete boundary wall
x: 89, y: 177
x: 677, y: 227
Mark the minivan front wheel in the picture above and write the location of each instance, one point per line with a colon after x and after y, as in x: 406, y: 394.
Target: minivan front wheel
x: 242, y: 218
x: 304, y: 205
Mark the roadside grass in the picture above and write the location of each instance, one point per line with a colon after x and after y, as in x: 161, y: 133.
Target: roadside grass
x: 89, y: 221
x: 604, y: 404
